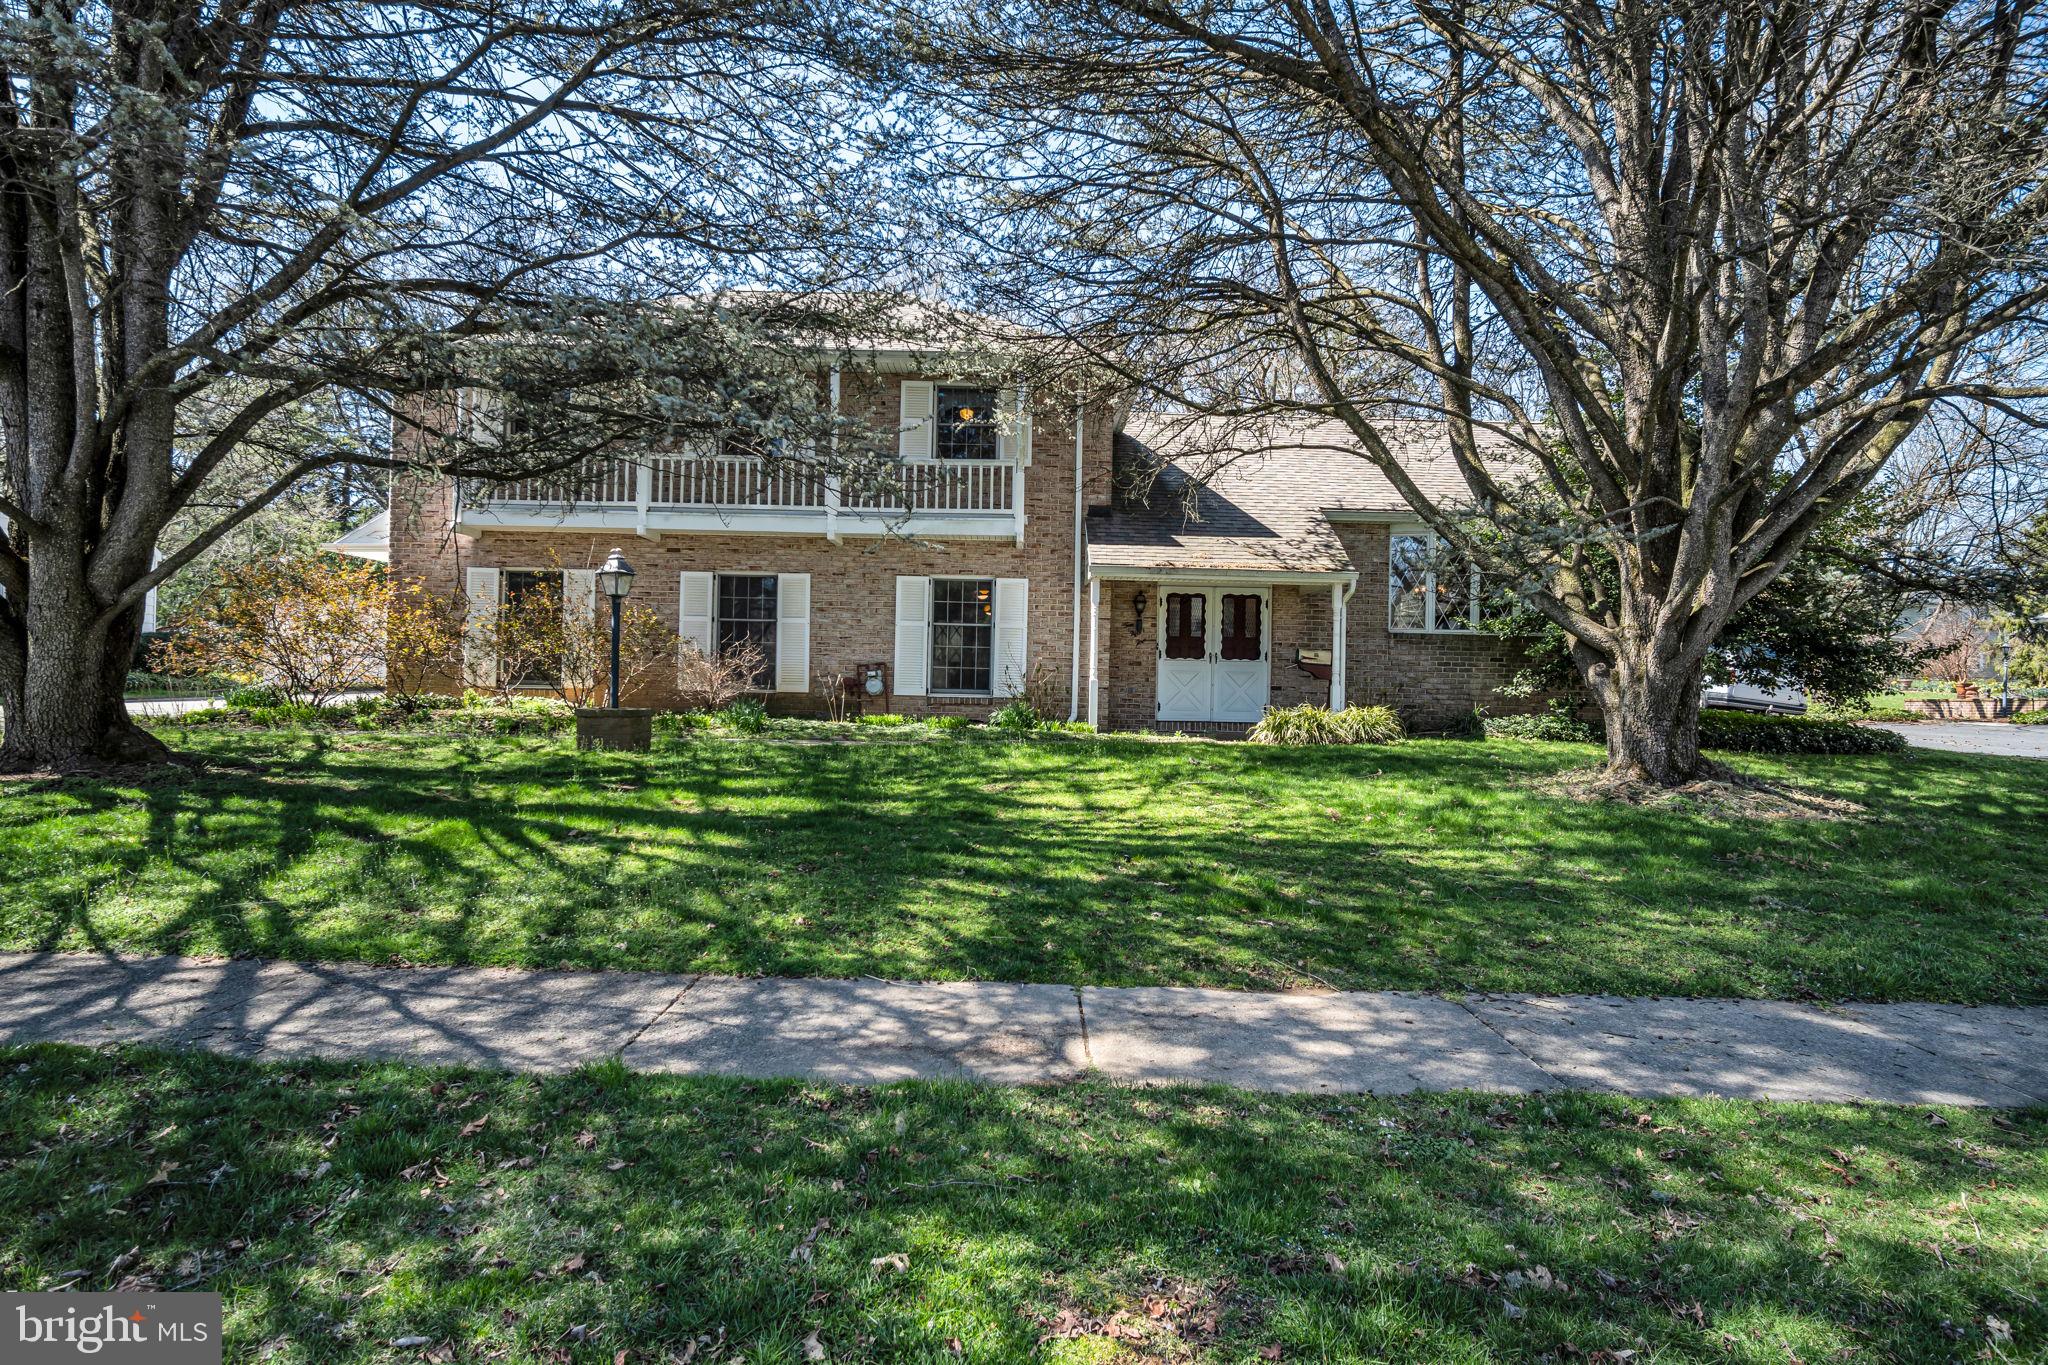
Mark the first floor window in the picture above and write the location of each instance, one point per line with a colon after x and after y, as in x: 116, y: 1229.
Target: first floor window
x: 533, y: 591
x: 963, y: 634
x: 1428, y: 587
x: 746, y: 621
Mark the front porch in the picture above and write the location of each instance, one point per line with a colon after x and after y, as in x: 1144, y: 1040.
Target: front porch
x: 1208, y: 653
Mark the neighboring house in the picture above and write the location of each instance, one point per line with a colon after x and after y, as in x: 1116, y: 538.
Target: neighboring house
x: 1009, y: 554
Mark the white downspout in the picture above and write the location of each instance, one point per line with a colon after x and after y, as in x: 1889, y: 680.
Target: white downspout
x: 832, y: 493
x: 1340, y: 616
x: 1094, y: 653
x: 1080, y: 566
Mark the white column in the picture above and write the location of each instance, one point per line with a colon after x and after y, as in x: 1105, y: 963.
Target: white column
x: 1094, y: 652
x: 1337, y: 633
x: 643, y: 494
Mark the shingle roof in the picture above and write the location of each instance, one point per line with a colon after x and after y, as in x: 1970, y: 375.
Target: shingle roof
x: 1241, y: 500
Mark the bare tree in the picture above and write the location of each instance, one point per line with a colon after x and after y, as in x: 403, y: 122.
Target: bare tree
x: 212, y: 209
x: 1677, y: 277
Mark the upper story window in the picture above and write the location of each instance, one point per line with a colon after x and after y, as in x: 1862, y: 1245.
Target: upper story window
x: 966, y: 425
x: 1428, y: 586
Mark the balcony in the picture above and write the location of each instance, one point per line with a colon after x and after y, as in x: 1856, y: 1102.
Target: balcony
x: 658, y: 495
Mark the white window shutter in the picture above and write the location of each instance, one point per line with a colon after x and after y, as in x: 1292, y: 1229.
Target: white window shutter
x: 914, y: 438
x: 479, y: 649
x: 1013, y: 432
x: 579, y: 594
x: 913, y: 635
x: 1013, y: 635
x: 579, y: 607
x: 693, y: 613
x: 484, y: 410
x: 793, y: 632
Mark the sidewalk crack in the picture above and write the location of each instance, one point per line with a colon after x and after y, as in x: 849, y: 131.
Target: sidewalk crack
x: 1081, y: 1012
x: 1512, y: 1045
x: 656, y: 1017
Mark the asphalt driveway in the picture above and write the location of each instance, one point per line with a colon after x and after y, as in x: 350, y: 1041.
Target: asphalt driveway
x: 2000, y: 739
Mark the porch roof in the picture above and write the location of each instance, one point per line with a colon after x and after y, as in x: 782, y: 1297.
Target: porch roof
x: 1233, y: 497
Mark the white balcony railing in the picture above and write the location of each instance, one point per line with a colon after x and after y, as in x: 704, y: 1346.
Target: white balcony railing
x: 650, y: 486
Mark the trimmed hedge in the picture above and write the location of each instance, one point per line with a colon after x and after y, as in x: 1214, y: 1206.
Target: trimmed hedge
x: 1740, y: 732
x: 1320, y: 725
x: 1746, y: 732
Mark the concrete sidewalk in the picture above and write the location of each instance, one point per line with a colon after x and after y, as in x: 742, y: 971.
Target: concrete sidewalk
x: 865, y: 1031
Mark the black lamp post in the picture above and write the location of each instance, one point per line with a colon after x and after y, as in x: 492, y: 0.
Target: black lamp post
x: 615, y: 580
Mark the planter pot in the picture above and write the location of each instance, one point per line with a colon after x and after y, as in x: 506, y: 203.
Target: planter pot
x: 601, y: 727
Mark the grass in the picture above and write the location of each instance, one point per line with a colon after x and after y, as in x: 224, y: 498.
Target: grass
x: 1430, y: 864
x: 608, y: 1217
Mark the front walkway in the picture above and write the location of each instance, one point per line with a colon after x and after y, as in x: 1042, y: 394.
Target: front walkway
x: 870, y: 1031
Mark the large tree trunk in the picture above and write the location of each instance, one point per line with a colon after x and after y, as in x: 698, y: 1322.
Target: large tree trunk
x: 64, y: 706
x: 1652, y: 713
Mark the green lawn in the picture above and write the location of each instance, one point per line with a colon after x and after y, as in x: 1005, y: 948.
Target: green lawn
x: 1431, y: 864
x: 482, y: 1216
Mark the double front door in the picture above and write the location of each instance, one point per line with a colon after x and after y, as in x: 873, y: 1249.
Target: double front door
x: 1213, y: 647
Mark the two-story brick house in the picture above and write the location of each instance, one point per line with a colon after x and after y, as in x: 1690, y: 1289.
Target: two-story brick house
x: 1007, y: 545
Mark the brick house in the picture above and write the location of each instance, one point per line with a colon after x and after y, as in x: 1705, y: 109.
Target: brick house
x: 1022, y: 544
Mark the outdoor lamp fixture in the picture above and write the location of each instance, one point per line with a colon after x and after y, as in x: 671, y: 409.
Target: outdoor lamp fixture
x: 615, y: 580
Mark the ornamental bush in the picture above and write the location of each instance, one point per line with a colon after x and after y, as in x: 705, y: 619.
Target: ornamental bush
x: 1559, y: 723
x: 1745, y: 732
x: 1299, y: 725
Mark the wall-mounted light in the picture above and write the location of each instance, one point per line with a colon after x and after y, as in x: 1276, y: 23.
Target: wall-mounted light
x: 1138, y: 614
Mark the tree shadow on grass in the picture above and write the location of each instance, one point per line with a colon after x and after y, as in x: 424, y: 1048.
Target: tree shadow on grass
x: 1111, y: 862
x: 342, y: 1207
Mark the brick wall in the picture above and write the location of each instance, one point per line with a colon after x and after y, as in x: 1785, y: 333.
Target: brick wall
x: 1432, y: 679
x: 853, y: 584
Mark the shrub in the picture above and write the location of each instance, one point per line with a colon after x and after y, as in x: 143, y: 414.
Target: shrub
x: 1320, y: 725
x: 1745, y: 732
x: 1019, y: 715
x: 888, y: 718
x: 254, y: 696
x: 1558, y: 723
x: 310, y: 626
x: 950, y: 723
x: 2031, y: 718
x: 748, y: 715
x: 714, y: 682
